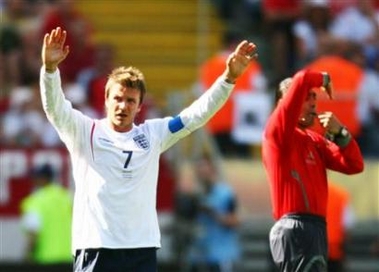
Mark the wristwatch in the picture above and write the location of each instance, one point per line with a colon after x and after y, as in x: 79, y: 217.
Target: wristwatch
x: 343, y: 132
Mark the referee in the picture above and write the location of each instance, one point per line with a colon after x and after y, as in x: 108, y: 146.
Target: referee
x: 296, y: 160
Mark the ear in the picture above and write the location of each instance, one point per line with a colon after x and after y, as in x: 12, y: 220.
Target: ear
x: 106, y: 102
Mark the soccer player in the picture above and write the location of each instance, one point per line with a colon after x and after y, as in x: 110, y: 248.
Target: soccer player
x: 115, y: 162
x: 296, y: 159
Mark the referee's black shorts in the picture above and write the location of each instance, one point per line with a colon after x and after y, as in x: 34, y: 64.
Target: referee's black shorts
x: 298, y: 242
x: 116, y: 260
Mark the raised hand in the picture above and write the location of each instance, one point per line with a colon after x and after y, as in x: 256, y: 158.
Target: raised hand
x: 328, y: 88
x: 54, y: 50
x: 239, y: 60
x: 330, y: 122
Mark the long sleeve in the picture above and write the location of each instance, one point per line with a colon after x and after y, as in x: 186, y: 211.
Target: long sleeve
x: 67, y: 121
x: 199, y: 112
x: 347, y: 160
x: 284, y: 119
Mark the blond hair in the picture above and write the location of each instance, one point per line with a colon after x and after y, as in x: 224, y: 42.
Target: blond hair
x: 128, y: 77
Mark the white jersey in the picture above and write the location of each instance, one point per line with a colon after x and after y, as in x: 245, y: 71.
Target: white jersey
x: 115, y: 173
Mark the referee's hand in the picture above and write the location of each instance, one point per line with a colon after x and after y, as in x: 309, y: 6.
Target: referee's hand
x: 330, y: 122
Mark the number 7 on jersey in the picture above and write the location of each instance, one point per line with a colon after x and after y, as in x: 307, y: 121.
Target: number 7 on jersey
x: 128, y: 157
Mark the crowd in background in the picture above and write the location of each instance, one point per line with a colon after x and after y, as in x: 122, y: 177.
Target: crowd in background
x: 23, y: 25
x: 341, y: 36
x: 84, y: 73
x: 296, y: 34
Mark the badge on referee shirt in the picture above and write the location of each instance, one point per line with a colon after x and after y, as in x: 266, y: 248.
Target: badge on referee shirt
x: 142, y: 141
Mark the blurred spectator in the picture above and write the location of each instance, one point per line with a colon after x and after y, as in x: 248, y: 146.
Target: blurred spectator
x: 20, y: 23
x: 279, y: 16
x: 347, y: 80
x: 307, y: 30
x: 339, y: 219
x: 46, y: 218
x: 244, y: 15
x: 186, y: 209
x: 94, y: 78
x: 338, y: 6
x: 215, y: 245
x: 223, y: 122
x: 30, y: 59
x: 10, y: 42
x: 79, y: 99
x: 374, y: 247
x: 104, y: 56
x: 224, y: 8
x: 79, y: 38
x: 359, y: 23
x: 18, y: 29
x: 368, y: 103
x: 20, y: 62
x: 23, y: 123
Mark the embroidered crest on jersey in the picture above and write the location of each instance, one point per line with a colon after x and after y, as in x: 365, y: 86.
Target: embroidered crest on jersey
x: 310, y: 159
x: 142, y: 141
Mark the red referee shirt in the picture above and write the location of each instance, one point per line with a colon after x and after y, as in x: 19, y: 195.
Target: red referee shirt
x: 296, y: 160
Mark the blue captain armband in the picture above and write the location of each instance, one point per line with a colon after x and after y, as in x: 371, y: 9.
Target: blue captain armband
x: 175, y: 124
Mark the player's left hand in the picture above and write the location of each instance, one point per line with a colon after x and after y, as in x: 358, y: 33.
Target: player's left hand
x: 239, y: 60
x: 54, y: 50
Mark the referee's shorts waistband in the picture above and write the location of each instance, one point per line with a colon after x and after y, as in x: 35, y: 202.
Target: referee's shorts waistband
x: 305, y: 217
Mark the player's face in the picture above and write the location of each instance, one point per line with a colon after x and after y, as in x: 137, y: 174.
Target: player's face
x: 308, y: 110
x: 122, y: 105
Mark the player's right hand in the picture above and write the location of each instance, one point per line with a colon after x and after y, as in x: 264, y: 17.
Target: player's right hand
x: 54, y: 50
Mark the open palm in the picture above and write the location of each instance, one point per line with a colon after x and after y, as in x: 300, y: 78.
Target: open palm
x: 240, y: 59
x: 54, y: 50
